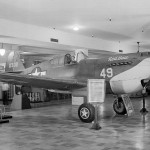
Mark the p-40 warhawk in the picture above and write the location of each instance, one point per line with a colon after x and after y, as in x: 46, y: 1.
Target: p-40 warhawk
x: 123, y: 73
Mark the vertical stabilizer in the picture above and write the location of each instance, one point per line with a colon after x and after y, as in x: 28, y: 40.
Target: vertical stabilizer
x: 13, y: 62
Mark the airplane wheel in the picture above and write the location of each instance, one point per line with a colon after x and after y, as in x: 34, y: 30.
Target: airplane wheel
x: 119, y: 107
x: 86, y: 112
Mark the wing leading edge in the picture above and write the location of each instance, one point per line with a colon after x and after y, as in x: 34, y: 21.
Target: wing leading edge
x: 41, y: 82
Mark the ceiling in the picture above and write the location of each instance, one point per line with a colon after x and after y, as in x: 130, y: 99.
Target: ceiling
x: 112, y: 20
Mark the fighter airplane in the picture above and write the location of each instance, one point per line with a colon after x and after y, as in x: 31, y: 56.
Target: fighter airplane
x: 123, y: 73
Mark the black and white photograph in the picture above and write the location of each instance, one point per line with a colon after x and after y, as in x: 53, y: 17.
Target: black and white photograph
x: 74, y: 74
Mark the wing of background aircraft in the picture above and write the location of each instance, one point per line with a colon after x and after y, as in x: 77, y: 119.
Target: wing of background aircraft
x: 41, y: 82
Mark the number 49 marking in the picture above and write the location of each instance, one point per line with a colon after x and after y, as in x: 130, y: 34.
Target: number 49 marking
x: 106, y: 73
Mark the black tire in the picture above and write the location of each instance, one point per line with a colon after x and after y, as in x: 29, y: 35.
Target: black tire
x: 119, y: 107
x: 89, y: 111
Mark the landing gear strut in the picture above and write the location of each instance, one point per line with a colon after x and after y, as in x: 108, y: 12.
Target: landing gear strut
x: 144, y: 110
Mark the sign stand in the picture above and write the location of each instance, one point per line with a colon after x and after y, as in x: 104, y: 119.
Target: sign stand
x: 96, y: 124
x: 96, y: 96
x: 144, y: 110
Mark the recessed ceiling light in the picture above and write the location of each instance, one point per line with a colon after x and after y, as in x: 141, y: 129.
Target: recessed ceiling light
x: 75, y: 28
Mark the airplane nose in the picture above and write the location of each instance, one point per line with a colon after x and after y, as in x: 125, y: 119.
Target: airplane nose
x: 147, y: 60
x: 144, y: 63
x: 129, y: 81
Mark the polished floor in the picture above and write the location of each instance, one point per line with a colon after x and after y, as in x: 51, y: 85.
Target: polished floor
x: 57, y: 127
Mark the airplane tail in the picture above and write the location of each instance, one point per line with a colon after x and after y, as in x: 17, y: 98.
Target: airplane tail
x: 14, y: 63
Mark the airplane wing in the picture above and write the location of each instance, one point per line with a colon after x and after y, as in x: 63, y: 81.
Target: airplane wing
x: 41, y: 81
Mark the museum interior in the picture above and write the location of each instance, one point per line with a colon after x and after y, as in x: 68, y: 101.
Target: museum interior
x: 74, y: 75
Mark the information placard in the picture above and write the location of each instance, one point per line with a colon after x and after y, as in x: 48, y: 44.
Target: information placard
x: 96, y: 90
x: 128, y: 104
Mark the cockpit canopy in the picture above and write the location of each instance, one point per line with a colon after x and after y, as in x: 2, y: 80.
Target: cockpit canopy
x: 63, y: 60
x: 68, y: 59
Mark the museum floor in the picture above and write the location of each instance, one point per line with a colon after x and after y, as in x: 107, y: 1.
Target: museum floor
x: 57, y: 127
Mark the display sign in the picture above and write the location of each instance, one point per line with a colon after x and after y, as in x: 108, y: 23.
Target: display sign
x: 128, y: 104
x: 96, y: 90
x: 34, y: 97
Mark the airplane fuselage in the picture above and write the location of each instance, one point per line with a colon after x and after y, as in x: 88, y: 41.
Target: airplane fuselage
x: 123, y: 72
